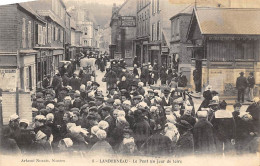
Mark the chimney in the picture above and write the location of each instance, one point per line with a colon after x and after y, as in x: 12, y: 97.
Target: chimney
x: 114, y: 8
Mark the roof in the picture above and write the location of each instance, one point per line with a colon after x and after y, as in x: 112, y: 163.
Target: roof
x: 234, y: 21
x: 29, y: 9
x: 186, y: 10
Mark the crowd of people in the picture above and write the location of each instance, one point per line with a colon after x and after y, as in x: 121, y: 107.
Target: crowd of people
x: 74, y: 116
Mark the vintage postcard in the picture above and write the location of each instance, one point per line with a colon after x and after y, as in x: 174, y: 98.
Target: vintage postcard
x: 129, y: 82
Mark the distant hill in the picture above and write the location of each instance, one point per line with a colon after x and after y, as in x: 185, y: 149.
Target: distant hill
x: 101, y: 13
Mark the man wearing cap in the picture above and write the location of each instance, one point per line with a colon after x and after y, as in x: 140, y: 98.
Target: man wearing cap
x: 57, y: 83
x: 46, y: 81
x: 110, y: 79
x: 182, y: 80
x: 167, y: 100
x: 251, y: 84
x: 65, y: 79
x: 106, y: 114
x: 123, y: 84
x: 237, y: 106
x: 254, y: 111
x: 241, y: 85
x: 204, y: 142
x: 148, y: 98
x: 75, y: 82
x: 185, y: 144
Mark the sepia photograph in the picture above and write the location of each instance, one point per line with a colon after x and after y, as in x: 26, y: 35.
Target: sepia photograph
x: 130, y: 82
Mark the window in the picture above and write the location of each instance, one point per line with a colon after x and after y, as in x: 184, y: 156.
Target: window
x: 158, y: 5
x: 158, y: 31
x: 39, y: 34
x: 152, y: 32
x: 29, y: 34
x: 56, y: 33
x: 53, y: 32
x: 61, y: 35
x: 49, y: 33
x: 44, y: 34
x: 178, y: 27
x: 173, y: 29
x: 153, y: 6
x: 23, y: 34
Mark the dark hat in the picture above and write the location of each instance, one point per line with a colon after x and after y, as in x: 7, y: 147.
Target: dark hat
x: 241, y: 73
x: 95, y: 83
x: 40, y: 100
x: 237, y: 105
x: 223, y: 104
x: 76, y: 95
x: 167, y: 91
x: 94, y: 108
x: 123, y: 91
x: 74, y: 109
x: 92, y: 103
x: 139, y: 97
x: 251, y: 73
x: 39, y: 94
x: 99, y: 98
x: 60, y: 104
x: 214, y: 92
x: 107, y: 108
x: 84, y: 106
x: 110, y: 100
x: 134, y: 84
x: 184, y: 124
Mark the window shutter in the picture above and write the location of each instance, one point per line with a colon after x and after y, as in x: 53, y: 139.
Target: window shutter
x: 36, y: 34
x: 23, y: 34
x: 30, y: 34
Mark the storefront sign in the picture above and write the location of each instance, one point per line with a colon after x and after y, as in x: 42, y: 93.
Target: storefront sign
x: 128, y: 21
x: 117, y: 55
x: 128, y: 54
x: 165, y: 50
x: 155, y: 48
x: 8, y: 79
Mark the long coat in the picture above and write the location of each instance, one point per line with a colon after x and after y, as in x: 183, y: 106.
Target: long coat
x: 157, y: 144
x: 185, y: 144
x: 204, y: 142
x: 142, y: 132
x: 241, y: 83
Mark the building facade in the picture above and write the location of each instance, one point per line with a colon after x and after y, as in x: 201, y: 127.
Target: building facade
x: 18, y: 38
x: 142, y: 30
x: 222, y: 51
x: 56, y: 36
x: 123, y: 31
x: 180, y: 56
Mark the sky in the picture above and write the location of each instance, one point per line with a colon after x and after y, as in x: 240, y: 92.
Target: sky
x: 106, y: 2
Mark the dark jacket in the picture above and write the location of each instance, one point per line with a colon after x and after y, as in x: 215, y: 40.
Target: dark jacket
x: 185, y: 144
x: 182, y: 81
x: 157, y: 144
x: 241, y: 83
x: 251, y: 81
x: 204, y: 142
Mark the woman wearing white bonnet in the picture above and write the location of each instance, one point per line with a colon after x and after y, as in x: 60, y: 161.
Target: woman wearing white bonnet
x: 101, y: 146
x: 103, y: 125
